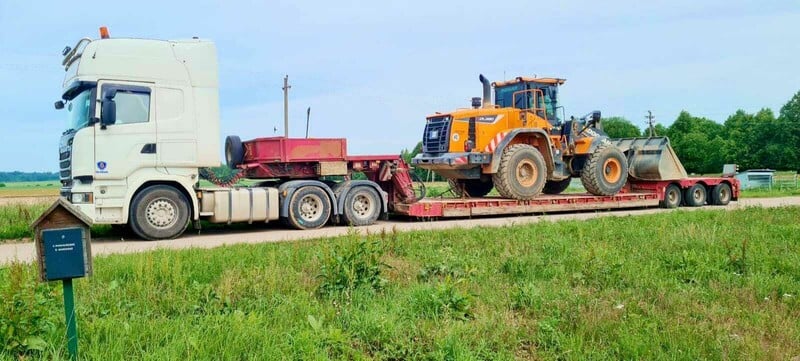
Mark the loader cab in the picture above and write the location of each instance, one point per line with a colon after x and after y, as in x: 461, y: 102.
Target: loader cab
x: 540, y: 95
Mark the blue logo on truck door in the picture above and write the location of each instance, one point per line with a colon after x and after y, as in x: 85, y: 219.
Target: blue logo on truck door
x: 102, y: 167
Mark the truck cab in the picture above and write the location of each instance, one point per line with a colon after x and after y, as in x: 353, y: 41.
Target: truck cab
x: 141, y: 114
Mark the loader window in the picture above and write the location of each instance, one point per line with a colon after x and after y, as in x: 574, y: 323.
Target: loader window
x: 504, y: 96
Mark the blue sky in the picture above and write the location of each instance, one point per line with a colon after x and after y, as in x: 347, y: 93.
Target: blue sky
x: 372, y: 70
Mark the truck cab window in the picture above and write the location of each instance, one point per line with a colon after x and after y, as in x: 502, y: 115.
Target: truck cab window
x: 132, y: 107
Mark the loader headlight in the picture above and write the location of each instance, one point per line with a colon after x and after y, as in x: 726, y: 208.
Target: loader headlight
x: 82, y: 198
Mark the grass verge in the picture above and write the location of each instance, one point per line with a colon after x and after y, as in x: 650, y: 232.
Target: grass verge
x: 678, y: 285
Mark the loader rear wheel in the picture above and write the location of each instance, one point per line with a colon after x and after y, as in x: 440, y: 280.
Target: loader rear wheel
x: 556, y: 187
x: 522, y: 172
x: 309, y: 208
x: 695, y: 195
x: 721, y: 195
x: 605, y: 172
x: 672, y: 197
x: 470, y: 187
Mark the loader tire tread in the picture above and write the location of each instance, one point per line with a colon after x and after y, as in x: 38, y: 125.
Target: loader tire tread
x: 505, y: 182
x: 592, y: 173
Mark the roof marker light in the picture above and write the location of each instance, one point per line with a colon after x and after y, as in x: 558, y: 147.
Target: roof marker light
x: 104, y: 32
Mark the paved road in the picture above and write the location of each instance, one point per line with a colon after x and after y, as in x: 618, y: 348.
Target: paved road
x: 24, y: 252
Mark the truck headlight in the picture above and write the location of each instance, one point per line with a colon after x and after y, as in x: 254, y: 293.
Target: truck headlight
x: 78, y: 198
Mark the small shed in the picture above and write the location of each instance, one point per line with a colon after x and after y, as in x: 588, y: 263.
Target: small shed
x: 756, y: 178
x: 63, y: 238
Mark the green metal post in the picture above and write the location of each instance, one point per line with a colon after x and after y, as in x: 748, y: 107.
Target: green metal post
x: 69, y: 312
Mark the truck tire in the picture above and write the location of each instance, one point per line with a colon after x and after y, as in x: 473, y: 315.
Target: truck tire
x: 159, y: 212
x: 362, y: 206
x: 556, y: 187
x: 695, y: 196
x: 721, y: 194
x: 234, y: 151
x: 605, y: 172
x: 309, y: 208
x: 522, y: 172
x: 472, y: 187
x: 672, y: 197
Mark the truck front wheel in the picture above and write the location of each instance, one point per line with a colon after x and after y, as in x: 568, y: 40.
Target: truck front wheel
x: 159, y: 212
x: 309, y: 208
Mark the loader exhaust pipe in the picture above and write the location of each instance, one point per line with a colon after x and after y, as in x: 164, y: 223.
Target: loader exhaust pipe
x: 487, y: 91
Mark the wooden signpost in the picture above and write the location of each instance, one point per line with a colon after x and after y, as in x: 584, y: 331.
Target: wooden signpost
x: 62, y: 235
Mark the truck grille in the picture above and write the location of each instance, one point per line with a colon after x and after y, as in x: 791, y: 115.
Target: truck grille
x: 65, y: 161
x: 436, y: 138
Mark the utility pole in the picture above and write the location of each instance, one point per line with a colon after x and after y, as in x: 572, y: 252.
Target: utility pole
x: 286, y: 88
x: 651, y: 120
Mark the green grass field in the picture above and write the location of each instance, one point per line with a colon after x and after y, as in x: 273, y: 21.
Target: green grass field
x: 29, y: 189
x: 673, y: 286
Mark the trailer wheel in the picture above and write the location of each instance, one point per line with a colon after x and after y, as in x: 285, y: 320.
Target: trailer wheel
x: 362, y: 206
x: 605, y: 172
x: 721, y: 195
x: 672, y: 197
x: 309, y: 208
x: 521, y: 174
x: 234, y: 151
x: 695, y: 196
x: 473, y: 187
x: 159, y: 212
x: 556, y: 187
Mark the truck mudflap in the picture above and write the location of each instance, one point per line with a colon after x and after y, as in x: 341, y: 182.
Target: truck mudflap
x: 651, y: 159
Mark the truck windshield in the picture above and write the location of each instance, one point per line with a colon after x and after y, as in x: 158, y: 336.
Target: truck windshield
x: 78, y: 110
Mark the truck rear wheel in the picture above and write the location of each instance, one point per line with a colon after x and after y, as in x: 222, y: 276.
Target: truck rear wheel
x: 362, y: 206
x: 556, y: 187
x: 721, y: 194
x: 309, y: 208
x: 606, y: 171
x: 470, y: 187
x: 522, y: 172
x: 672, y: 197
x: 695, y: 195
x: 159, y: 212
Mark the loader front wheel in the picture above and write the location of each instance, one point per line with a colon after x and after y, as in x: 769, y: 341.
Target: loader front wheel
x: 522, y: 172
x: 605, y: 172
x: 475, y: 188
x: 556, y: 187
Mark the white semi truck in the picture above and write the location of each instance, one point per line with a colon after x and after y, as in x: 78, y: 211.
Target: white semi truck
x: 143, y: 118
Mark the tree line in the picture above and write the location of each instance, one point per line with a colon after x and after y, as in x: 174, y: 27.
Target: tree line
x: 758, y: 140
x: 18, y: 176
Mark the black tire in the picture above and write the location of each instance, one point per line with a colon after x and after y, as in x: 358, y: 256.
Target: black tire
x: 695, y: 196
x: 556, y: 187
x: 721, y: 194
x: 309, y: 208
x: 362, y: 206
x: 473, y: 187
x: 605, y: 172
x: 234, y: 151
x: 159, y: 212
x: 522, y: 172
x: 672, y: 197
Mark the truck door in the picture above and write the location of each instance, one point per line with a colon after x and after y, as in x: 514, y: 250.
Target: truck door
x: 128, y: 142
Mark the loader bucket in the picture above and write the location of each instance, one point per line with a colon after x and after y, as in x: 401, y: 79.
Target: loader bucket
x: 651, y: 159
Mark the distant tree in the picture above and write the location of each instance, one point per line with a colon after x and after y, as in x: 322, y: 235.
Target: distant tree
x: 17, y: 176
x: 659, y: 129
x: 699, y: 143
x: 423, y: 174
x: 787, y: 135
x: 748, y: 141
x: 619, y: 127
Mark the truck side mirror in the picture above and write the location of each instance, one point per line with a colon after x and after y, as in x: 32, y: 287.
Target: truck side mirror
x: 108, y: 112
x: 59, y: 105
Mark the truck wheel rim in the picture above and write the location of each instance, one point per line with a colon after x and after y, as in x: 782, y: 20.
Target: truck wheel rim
x: 724, y: 195
x: 362, y: 206
x: 698, y: 195
x: 612, y: 170
x: 310, y: 208
x: 161, y: 213
x: 526, y: 173
x: 672, y: 196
